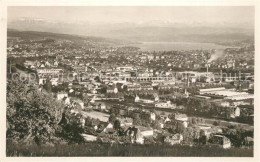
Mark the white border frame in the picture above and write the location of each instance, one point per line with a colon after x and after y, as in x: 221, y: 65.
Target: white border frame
x: 3, y: 39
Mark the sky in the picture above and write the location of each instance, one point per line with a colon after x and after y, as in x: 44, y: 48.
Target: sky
x: 213, y: 14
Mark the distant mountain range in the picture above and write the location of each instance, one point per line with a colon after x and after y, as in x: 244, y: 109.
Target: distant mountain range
x: 143, y: 31
x: 72, y: 37
x: 39, y: 34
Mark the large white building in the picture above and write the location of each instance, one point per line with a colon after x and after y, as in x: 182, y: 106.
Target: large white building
x: 48, y: 71
x: 167, y: 104
x: 137, y: 99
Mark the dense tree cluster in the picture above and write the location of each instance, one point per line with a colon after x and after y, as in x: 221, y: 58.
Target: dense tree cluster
x: 204, y: 108
x: 34, y: 116
x: 31, y: 115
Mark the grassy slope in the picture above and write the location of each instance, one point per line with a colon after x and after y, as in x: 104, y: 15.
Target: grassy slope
x: 96, y: 149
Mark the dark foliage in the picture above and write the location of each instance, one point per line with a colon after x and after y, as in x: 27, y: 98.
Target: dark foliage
x: 101, y: 149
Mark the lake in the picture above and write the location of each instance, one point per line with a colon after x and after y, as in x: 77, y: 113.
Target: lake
x: 168, y: 46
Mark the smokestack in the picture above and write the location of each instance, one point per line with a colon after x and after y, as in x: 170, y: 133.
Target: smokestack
x: 221, y: 75
x: 10, y: 67
x: 207, y: 69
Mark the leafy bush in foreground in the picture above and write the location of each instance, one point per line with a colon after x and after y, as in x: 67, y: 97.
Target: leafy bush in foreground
x: 31, y: 115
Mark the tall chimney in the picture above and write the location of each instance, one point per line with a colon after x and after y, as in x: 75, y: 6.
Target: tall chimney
x: 207, y: 69
x: 221, y: 75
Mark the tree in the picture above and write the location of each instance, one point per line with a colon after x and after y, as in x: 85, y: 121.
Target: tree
x: 72, y: 130
x: 146, y: 123
x: 137, y: 121
x: 116, y: 124
x: 86, y: 98
x: 216, y: 123
x: 35, y: 116
x: 202, y: 140
x: 112, y: 118
x: 97, y: 79
x: 48, y: 85
x: 32, y: 116
x: 156, y: 125
x: 194, y: 120
x: 180, y: 128
x: 125, y: 88
x: 103, y: 89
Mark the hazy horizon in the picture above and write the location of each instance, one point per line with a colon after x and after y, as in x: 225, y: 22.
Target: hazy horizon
x: 135, y: 14
x: 137, y: 23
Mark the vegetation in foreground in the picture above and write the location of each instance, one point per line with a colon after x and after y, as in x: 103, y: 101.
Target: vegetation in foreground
x: 101, y: 149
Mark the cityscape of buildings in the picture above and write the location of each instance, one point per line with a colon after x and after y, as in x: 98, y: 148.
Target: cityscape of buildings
x: 110, y: 91
x: 131, y: 85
